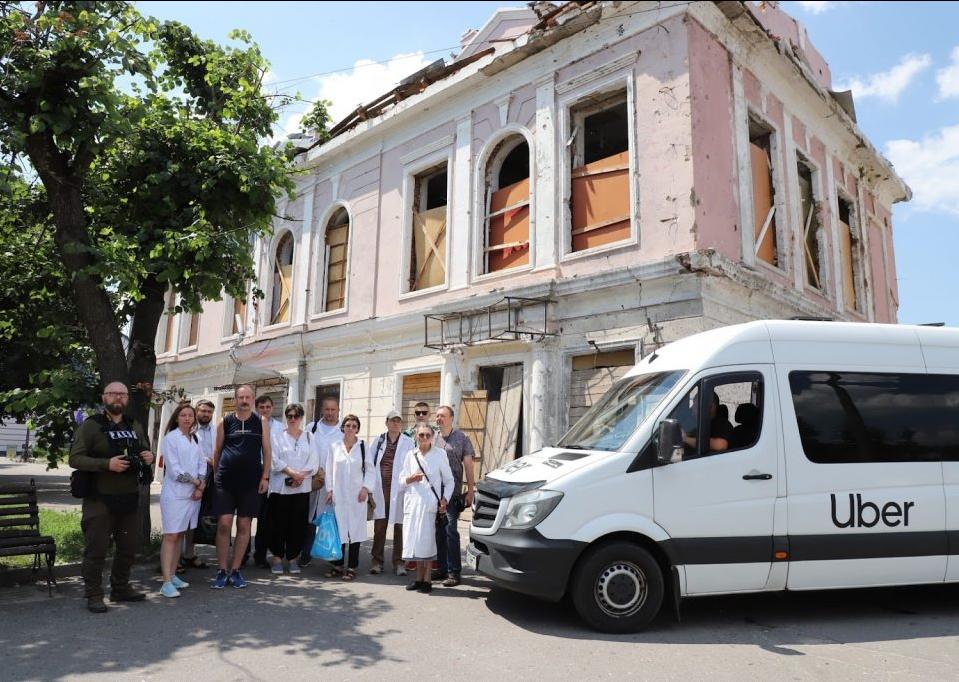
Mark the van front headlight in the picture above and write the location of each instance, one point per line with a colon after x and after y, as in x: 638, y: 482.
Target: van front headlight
x: 528, y: 509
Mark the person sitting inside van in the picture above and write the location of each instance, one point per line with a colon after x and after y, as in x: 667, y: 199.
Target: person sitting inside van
x: 747, y: 418
x: 720, y: 430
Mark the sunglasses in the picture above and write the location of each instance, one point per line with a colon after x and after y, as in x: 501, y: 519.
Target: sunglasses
x: 292, y: 416
x: 424, y: 435
x: 421, y: 414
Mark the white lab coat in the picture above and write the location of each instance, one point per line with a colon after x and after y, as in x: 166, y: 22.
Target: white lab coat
x: 296, y: 453
x: 403, y: 447
x: 325, y: 436
x: 420, y: 505
x: 181, y: 455
x: 344, y: 478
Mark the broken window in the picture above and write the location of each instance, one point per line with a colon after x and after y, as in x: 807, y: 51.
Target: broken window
x: 811, y: 229
x: 599, y: 192
x: 507, y: 206
x: 428, y: 248
x: 282, y: 280
x: 193, y: 336
x: 849, y: 251
x: 169, y: 344
x: 238, y: 323
x: 764, y: 194
x: 336, y: 250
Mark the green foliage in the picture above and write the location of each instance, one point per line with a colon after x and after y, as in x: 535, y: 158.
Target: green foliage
x: 148, y: 143
x: 318, y: 119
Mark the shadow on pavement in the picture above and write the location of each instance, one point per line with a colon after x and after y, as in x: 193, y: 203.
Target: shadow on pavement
x: 303, y: 617
x: 774, y: 621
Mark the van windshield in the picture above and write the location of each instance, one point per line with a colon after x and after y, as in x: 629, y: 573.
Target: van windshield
x: 617, y: 415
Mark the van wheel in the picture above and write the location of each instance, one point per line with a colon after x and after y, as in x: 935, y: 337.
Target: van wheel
x: 618, y: 588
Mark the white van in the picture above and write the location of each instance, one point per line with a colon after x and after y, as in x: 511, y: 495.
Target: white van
x: 773, y: 455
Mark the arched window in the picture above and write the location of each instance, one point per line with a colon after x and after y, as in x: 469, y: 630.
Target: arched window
x: 335, y: 261
x: 282, y: 280
x: 506, y: 227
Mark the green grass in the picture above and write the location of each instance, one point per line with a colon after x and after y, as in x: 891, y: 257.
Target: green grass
x: 64, y: 526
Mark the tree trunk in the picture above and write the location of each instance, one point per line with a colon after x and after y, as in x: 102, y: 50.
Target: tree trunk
x: 93, y: 304
x: 142, y: 362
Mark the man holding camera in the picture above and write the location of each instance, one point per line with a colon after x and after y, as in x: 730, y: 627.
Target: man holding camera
x: 114, y: 454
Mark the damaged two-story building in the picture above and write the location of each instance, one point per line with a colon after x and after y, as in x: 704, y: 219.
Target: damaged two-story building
x: 508, y: 232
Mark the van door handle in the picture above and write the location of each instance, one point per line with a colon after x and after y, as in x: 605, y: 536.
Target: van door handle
x: 757, y: 477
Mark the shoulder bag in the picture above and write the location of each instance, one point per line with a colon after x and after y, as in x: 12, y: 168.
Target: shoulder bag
x: 441, y: 518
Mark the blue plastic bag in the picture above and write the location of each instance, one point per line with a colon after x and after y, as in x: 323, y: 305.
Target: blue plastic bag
x: 327, y: 545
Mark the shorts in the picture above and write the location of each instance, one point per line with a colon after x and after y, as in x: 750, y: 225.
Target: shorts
x: 233, y: 502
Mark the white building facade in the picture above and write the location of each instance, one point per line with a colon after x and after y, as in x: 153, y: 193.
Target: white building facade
x: 625, y: 174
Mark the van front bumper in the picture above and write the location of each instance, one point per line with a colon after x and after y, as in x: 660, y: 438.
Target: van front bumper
x: 524, y: 561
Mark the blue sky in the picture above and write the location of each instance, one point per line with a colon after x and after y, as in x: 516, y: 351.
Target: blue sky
x: 901, y: 60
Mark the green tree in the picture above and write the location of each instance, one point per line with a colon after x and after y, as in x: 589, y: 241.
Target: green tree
x: 318, y: 119
x: 148, y: 144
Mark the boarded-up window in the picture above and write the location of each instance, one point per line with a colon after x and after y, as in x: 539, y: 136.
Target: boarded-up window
x: 599, y: 195
x: 169, y: 340
x: 764, y: 195
x: 503, y: 440
x: 229, y: 405
x: 428, y: 248
x: 238, y: 324
x: 336, y: 251
x: 592, y: 376
x: 507, y: 206
x: 812, y: 234
x: 849, y: 250
x: 282, y: 280
x: 420, y: 388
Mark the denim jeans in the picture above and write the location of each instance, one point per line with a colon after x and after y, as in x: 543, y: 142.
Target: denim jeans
x: 448, y: 555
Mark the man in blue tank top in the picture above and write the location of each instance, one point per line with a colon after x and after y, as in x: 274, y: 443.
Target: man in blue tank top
x: 241, y: 462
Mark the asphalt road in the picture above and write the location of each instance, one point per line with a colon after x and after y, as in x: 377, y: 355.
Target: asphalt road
x: 310, y: 627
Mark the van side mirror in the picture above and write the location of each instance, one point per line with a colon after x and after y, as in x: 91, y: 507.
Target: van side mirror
x: 669, y: 439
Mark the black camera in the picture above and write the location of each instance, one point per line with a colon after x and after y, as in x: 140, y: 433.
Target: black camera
x: 143, y: 471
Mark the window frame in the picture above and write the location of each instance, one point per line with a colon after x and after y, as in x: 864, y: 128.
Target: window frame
x: 420, y: 167
x: 815, y: 177
x: 568, y: 107
x: 321, y: 279
x: 706, y: 385
x: 274, y: 251
x: 755, y: 119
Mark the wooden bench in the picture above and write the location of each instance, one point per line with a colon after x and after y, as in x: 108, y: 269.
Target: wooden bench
x: 20, y: 528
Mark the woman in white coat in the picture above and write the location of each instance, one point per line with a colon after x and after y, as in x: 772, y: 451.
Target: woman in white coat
x: 183, y: 482
x: 428, y: 484
x: 389, y: 455
x: 350, y: 481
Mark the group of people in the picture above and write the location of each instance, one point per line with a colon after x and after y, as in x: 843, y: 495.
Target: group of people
x: 284, y: 474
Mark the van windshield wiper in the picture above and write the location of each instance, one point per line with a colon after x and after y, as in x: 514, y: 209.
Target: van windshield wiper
x: 575, y: 447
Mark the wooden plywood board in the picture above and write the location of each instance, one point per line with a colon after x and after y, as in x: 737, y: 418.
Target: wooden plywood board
x: 762, y: 202
x: 420, y: 387
x: 600, y: 202
x: 472, y: 422
x: 587, y: 386
x: 509, y: 228
x: 429, y: 248
x: 502, y: 421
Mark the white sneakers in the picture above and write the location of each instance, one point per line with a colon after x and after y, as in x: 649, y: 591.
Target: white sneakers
x: 401, y: 570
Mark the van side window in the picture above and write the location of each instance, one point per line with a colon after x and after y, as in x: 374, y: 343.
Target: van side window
x: 859, y: 417
x: 730, y: 418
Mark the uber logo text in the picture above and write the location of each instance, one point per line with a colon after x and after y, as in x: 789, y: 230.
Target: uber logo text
x: 867, y: 514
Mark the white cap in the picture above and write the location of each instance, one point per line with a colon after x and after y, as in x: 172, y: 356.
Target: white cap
x: 393, y: 414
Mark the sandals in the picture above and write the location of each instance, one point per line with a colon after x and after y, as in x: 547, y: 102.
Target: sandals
x: 334, y: 572
x: 192, y: 562
x: 349, y: 575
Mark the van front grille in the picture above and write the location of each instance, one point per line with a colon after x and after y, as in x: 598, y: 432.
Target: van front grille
x: 485, y: 507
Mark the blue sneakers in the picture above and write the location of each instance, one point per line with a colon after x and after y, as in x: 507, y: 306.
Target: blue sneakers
x: 237, y: 580
x: 178, y: 583
x: 220, y: 581
x: 168, y: 590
